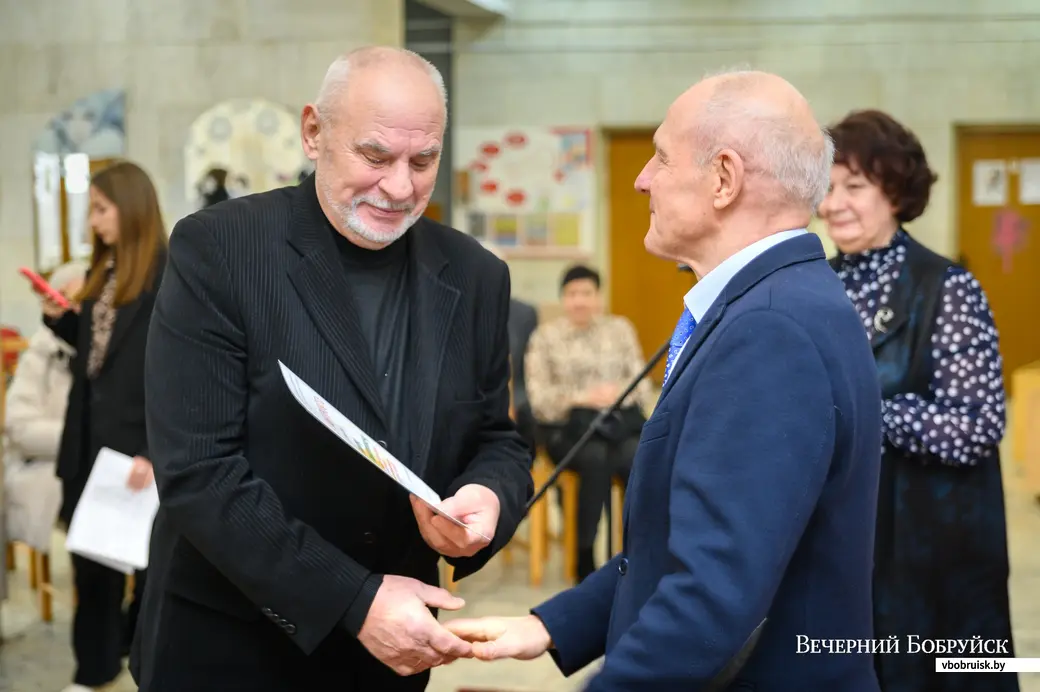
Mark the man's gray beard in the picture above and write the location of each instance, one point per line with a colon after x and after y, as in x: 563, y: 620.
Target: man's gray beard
x: 348, y: 216
x: 352, y: 220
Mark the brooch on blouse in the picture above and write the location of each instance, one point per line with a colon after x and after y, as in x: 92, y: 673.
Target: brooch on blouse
x: 881, y: 319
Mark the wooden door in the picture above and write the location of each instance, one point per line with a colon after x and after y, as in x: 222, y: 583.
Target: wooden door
x: 643, y: 288
x: 998, y: 225
x: 434, y: 212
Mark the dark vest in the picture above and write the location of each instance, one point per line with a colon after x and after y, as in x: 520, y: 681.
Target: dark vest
x: 940, y: 559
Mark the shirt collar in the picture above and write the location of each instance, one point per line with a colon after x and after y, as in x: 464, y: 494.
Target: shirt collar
x: 707, y: 289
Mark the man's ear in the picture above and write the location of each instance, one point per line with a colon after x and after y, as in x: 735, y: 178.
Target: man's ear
x: 729, y: 178
x: 311, y: 130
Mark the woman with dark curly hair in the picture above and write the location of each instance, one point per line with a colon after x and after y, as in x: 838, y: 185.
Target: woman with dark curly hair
x: 941, y: 561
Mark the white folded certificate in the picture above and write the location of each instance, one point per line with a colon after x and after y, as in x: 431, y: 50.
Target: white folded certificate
x: 363, y: 444
x: 112, y: 524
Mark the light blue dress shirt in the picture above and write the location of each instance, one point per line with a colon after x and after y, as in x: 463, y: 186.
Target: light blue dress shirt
x: 707, y: 289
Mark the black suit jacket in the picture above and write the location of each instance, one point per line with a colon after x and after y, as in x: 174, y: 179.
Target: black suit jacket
x: 272, y: 533
x: 107, y: 411
x: 523, y: 320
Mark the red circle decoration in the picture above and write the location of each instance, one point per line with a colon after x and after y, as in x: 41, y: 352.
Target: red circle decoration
x: 490, y: 149
x: 489, y: 187
x: 516, y: 139
x: 558, y: 176
x: 516, y: 197
x: 478, y: 167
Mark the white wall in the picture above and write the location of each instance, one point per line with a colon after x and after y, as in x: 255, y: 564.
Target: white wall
x: 930, y: 63
x: 175, y: 58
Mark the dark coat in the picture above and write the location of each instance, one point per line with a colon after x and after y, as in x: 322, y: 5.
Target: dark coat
x: 107, y: 411
x: 523, y: 320
x: 272, y: 533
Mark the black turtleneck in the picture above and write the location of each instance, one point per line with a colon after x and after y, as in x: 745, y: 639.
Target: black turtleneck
x: 379, y: 279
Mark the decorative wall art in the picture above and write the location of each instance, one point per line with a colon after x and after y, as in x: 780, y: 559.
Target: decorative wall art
x: 527, y: 191
x: 989, y: 186
x: 94, y: 125
x: 253, y: 145
x: 74, y: 144
x: 1010, y: 233
x: 1029, y: 181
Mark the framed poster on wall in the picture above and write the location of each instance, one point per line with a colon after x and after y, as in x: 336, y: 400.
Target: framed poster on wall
x: 528, y: 191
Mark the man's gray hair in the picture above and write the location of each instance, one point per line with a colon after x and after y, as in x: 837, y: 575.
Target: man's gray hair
x: 338, y: 74
x: 767, y: 139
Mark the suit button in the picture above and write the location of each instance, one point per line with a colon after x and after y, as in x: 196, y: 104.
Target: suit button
x: 382, y: 443
x: 622, y: 567
x: 290, y: 629
x: 267, y: 611
x: 369, y: 538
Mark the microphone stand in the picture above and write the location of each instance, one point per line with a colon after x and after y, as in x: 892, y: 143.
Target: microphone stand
x: 603, y: 415
x: 595, y: 425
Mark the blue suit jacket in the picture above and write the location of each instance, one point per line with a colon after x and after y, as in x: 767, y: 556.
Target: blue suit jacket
x: 753, y: 495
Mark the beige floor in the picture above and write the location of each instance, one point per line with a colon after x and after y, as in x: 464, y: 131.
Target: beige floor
x: 37, y: 658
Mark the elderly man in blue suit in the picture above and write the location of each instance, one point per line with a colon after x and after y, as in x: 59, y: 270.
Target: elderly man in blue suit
x: 752, y: 497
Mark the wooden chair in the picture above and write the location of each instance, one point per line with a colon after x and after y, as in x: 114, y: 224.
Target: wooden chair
x: 39, y: 563
x: 39, y: 576
x: 540, y: 537
x: 448, y: 577
x: 617, y: 500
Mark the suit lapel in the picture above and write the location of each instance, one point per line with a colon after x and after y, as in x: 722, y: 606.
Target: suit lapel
x: 318, y: 277
x: 432, y: 314
x: 700, y: 333
x: 795, y: 250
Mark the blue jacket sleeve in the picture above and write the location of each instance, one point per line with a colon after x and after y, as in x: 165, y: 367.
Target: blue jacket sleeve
x: 577, y: 619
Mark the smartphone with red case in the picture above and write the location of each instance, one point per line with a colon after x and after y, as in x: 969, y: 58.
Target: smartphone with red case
x: 41, y: 286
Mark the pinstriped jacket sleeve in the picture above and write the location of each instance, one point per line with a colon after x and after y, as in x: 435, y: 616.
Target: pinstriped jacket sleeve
x: 196, y: 403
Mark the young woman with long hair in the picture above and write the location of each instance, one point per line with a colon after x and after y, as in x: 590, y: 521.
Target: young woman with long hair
x: 108, y: 326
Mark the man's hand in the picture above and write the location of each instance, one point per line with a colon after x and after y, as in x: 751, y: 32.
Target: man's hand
x: 141, y: 475
x: 521, y: 638
x: 475, y: 506
x: 401, y: 631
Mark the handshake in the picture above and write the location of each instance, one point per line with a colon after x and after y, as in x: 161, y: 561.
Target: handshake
x: 400, y: 630
x: 402, y: 633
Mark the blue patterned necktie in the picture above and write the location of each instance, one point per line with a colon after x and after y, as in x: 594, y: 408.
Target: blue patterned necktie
x: 683, y: 330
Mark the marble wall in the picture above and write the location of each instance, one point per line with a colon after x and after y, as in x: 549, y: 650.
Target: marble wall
x: 175, y: 59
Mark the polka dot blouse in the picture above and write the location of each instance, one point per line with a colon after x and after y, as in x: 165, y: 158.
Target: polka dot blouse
x: 961, y: 422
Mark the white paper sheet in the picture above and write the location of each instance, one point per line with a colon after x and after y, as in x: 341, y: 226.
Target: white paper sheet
x: 363, y: 444
x: 989, y: 185
x: 112, y: 524
x: 1029, y: 181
